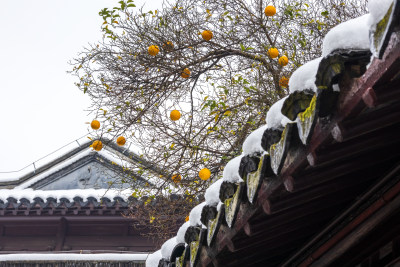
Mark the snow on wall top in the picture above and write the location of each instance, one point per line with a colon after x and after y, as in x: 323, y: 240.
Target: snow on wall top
x: 168, y: 247
x: 378, y: 9
x: 154, y: 259
x: 31, y: 194
x: 304, y: 77
x: 252, y: 144
x: 352, y: 34
x: 275, y: 119
x: 212, y: 193
x: 231, y: 170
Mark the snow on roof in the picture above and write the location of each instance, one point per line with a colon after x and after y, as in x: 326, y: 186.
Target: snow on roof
x: 180, y: 236
x: 304, y: 77
x: 74, y: 257
x: 212, y: 193
x: 55, y: 168
x: 31, y: 194
x: 231, y: 170
x: 252, y: 144
x: 378, y: 9
x: 352, y: 34
x: 195, y: 215
x: 168, y: 247
x: 275, y: 119
x: 154, y: 259
x: 106, y: 153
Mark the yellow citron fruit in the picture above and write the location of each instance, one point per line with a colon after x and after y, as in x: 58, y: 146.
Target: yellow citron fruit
x: 283, y: 60
x: 168, y: 46
x: 270, y: 11
x: 204, y: 174
x: 175, y: 115
x: 207, y: 35
x: 185, y: 73
x: 284, y: 82
x: 95, y: 124
x: 121, y: 141
x: 97, y: 145
x: 273, y: 52
x: 153, y: 50
x: 176, y: 178
x: 187, y: 218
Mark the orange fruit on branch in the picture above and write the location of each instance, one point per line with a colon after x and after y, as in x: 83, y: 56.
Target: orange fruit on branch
x: 273, y: 52
x: 176, y: 178
x: 97, y: 145
x: 153, y: 50
x: 283, y: 61
x: 270, y: 11
x: 175, y: 115
x: 185, y: 73
x: 168, y: 46
x: 284, y: 82
x: 121, y: 141
x: 204, y: 174
x: 207, y: 35
x: 95, y: 124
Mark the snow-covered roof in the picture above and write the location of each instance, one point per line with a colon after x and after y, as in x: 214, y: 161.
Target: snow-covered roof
x: 212, y: 193
x: 195, y: 215
x: 304, y: 77
x: 275, y: 119
x: 180, y: 236
x: 378, y: 9
x: 252, y: 144
x: 350, y: 35
x: 231, y: 170
x: 111, y: 154
x: 30, y: 194
x: 168, y: 247
x: 154, y: 259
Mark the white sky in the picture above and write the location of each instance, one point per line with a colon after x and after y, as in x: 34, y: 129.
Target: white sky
x: 41, y: 109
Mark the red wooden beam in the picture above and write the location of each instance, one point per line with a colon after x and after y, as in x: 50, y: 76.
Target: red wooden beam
x: 388, y: 196
x: 360, y: 226
x: 62, y: 230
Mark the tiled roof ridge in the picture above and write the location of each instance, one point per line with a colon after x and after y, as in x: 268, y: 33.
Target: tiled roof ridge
x: 63, y: 206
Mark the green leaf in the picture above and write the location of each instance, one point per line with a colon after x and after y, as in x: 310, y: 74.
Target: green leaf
x: 242, y: 47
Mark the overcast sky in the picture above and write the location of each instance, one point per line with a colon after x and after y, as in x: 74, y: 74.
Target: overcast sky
x: 41, y: 109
